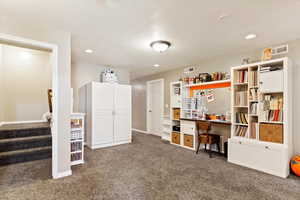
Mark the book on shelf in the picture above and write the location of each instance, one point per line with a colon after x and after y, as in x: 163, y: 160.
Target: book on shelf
x: 253, y: 78
x: 253, y: 94
x: 76, y: 156
x: 241, y: 118
x: 241, y: 76
x: 254, y: 130
x: 76, y: 146
x: 241, y: 131
x: 241, y: 98
x: 272, y: 108
x: 253, y: 108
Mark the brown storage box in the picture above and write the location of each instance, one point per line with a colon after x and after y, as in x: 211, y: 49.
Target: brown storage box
x: 189, y: 141
x: 271, y: 133
x: 176, y: 113
x: 176, y: 138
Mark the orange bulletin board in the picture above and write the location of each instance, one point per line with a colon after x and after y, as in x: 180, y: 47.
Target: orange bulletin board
x: 209, y: 86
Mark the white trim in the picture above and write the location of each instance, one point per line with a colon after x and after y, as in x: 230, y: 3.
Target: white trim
x: 23, y: 122
x: 140, y: 131
x: 62, y: 174
x: 162, y: 102
x: 54, y: 59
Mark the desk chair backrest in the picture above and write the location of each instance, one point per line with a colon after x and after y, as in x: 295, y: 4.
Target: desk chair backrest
x: 203, y: 127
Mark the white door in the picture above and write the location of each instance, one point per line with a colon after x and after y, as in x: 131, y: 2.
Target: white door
x: 122, y: 122
x: 103, y: 119
x: 155, y: 106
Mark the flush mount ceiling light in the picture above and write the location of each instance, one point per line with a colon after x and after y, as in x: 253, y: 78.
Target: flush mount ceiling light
x: 156, y: 65
x: 160, y: 45
x: 250, y: 36
x: 89, y: 51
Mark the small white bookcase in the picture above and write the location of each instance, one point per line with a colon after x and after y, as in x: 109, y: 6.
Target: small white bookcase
x: 261, y: 134
x: 77, y: 138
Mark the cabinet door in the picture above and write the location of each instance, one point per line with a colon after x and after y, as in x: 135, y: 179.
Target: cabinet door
x: 103, y: 119
x: 271, y: 81
x: 122, y: 123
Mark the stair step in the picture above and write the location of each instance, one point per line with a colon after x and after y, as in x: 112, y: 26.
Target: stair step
x: 13, y: 144
x: 25, y: 155
x: 24, y: 130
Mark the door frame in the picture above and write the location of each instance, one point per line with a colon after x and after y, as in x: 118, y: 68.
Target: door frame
x: 161, y: 81
x: 53, y: 49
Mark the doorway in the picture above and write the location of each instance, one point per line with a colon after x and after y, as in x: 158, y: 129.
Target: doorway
x: 155, y: 106
x: 53, y: 49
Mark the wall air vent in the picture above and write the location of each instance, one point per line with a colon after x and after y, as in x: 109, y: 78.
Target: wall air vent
x: 284, y: 49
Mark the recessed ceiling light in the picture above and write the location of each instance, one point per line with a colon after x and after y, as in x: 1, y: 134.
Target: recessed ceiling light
x: 160, y: 45
x: 250, y: 36
x: 89, y: 51
x: 156, y: 65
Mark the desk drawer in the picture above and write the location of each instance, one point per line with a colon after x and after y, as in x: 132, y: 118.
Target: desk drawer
x: 188, y: 127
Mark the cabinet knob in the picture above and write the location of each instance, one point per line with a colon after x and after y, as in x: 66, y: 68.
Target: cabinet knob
x: 266, y: 147
x: 260, y: 82
x: 240, y: 142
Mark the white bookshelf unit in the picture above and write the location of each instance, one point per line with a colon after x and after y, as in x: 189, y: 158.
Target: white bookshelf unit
x: 175, y: 110
x: 261, y: 133
x: 77, y: 138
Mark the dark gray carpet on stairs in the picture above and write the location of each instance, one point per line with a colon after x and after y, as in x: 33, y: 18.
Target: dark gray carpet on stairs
x: 146, y: 169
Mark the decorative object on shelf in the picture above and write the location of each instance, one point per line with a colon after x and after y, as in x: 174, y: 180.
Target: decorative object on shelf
x: 189, y: 70
x: 267, y: 54
x: 205, y: 77
x: 109, y: 76
x: 245, y: 61
x: 295, y: 165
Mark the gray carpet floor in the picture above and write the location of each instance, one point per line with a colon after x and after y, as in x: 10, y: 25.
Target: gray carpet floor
x: 146, y: 169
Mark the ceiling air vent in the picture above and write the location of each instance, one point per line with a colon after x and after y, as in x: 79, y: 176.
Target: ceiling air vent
x: 284, y: 49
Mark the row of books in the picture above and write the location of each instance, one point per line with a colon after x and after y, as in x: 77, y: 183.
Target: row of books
x: 241, y: 76
x: 253, y: 108
x: 272, y: 108
x: 241, y: 118
x: 241, y: 131
x: 272, y: 115
x: 76, y: 135
x: 253, y: 94
x: 76, y: 156
x: 76, y: 146
x: 254, y: 130
x: 241, y: 98
x: 253, y: 78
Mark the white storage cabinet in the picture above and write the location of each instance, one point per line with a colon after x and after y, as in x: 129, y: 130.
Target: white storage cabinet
x: 108, y: 109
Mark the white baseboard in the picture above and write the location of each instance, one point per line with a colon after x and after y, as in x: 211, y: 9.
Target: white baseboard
x: 140, y: 131
x: 62, y: 174
x: 23, y: 122
x: 111, y: 144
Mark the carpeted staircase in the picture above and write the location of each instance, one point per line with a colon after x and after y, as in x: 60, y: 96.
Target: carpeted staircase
x: 25, y: 142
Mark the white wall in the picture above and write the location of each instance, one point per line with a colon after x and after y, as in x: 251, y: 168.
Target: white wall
x: 1, y: 88
x: 84, y: 73
x: 26, y: 76
x: 63, y: 40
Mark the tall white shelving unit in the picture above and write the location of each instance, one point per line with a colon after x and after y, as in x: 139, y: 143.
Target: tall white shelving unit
x: 77, y: 138
x: 256, y: 142
x: 175, y: 105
